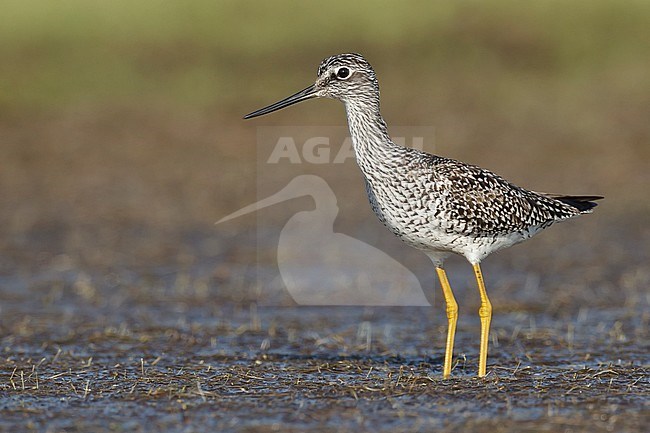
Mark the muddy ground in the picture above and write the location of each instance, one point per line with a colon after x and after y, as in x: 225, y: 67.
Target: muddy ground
x: 121, y: 312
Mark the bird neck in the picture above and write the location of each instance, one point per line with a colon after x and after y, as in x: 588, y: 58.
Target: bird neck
x: 372, y: 144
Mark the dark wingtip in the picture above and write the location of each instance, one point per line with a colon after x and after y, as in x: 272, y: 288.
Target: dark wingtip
x: 584, y: 203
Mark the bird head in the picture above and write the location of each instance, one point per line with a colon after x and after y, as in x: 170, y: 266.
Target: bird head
x: 346, y: 77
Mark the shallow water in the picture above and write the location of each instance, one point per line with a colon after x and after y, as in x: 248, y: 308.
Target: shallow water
x: 111, y: 359
x: 123, y: 308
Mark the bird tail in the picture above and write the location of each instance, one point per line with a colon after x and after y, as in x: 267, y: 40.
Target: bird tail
x: 584, y: 203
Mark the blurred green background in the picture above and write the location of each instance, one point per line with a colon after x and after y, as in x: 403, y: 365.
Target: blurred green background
x: 120, y: 122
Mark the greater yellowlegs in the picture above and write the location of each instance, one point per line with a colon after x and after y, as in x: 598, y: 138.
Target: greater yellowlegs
x: 435, y: 204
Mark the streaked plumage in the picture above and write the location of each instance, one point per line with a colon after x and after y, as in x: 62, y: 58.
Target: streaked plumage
x: 435, y: 204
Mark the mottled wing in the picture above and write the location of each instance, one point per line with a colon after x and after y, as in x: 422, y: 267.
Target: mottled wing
x: 470, y: 200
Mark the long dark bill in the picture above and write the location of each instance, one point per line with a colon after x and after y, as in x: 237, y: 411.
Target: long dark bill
x: 304, y: 94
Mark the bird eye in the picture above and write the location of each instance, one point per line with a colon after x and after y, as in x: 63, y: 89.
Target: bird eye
x: 343, y: 73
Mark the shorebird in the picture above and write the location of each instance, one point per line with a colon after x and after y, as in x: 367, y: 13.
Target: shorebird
x: 438, y: 205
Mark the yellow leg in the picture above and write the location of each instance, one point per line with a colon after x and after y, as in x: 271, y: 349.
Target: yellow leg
x: 452, y: 318
x: 485, y: 313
